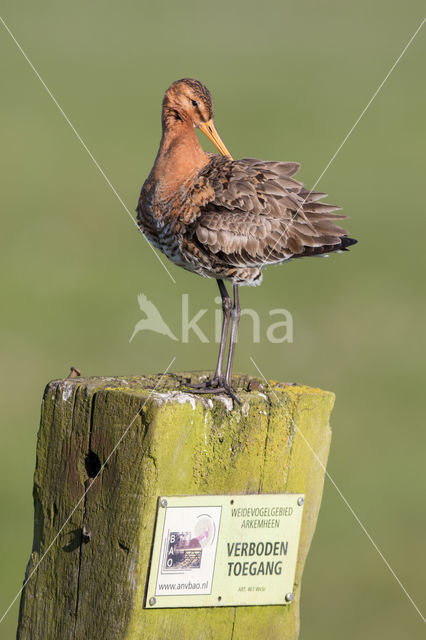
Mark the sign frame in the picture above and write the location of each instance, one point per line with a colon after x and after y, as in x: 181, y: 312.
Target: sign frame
x: 224, y: 550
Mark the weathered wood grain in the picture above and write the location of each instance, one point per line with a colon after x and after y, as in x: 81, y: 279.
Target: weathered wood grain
x: 91, y: 582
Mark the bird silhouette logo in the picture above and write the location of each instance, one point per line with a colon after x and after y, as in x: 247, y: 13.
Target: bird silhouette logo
x: 153, y: 320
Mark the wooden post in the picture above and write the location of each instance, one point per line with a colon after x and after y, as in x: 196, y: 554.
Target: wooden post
x: 91, y: 582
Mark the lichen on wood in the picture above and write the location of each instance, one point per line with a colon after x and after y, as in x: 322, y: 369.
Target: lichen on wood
x: 91, y: 581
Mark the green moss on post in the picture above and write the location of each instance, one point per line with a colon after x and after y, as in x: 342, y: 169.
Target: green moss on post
x: 177, y: 444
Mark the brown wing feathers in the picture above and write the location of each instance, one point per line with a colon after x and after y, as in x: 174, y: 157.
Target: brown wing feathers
x: 260, y: 214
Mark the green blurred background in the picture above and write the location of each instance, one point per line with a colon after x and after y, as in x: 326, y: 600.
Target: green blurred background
x: 289, y: 79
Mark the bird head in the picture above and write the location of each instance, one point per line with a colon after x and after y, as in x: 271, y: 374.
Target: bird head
x: 188, y: 102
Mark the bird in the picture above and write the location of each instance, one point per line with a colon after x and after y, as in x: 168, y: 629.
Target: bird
x: 227, y: 219
x: 153, y: 320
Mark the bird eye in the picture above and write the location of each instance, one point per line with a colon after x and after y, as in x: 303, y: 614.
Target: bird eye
x: 194, y: 103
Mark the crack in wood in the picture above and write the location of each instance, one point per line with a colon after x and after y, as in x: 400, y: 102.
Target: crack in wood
x: 87, y: 485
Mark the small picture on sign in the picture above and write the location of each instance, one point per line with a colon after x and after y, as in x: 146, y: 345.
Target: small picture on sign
x: 188, y: 550
x: 183, y: 552
x: 185, y: 548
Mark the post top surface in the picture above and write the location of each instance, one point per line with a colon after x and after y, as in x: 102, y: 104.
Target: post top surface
x: 174, y: 385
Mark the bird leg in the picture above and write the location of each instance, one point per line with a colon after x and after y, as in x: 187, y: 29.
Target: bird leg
x: 220, y: 383
x: 226, y: 308
x: 235, y: 315
x: 218, y: 377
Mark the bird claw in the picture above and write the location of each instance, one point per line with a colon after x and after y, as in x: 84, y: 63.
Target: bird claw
x: 215, y: 385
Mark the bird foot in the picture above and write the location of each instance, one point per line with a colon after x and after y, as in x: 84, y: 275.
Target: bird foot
x: 215, y: 385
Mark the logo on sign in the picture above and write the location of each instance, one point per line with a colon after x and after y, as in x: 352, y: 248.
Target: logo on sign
x: 183, y: 552
x: 184, y: 549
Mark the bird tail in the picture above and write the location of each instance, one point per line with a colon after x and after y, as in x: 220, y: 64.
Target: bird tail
x: 325, y: 249
x: 347, y: 242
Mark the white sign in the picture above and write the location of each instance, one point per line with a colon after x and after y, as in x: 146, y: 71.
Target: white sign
x: 225, y: 550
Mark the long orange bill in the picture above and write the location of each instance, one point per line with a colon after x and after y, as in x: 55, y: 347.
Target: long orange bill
x: 210, y: 130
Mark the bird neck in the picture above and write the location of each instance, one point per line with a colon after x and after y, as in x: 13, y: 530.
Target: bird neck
x: 180, y: 155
